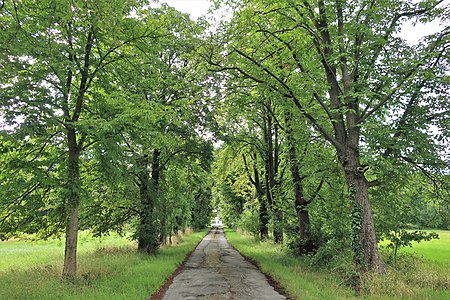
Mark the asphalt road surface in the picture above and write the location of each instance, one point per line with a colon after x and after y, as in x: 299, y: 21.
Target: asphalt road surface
x: 216, y: 271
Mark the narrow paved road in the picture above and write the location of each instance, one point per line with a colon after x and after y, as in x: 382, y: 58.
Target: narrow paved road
x: 216, y: 271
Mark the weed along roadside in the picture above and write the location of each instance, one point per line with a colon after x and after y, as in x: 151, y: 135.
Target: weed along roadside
x: 421, y: 275
x: 109, y: 268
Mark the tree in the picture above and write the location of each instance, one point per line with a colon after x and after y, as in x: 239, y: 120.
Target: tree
x: 176, y: 113
x: 261, y: 130
x: 59, y: 66
x: 156, y: 118
x: 255, y: 177
x: 299, y: 173
x: 330, y: 59
x: 231, y: 189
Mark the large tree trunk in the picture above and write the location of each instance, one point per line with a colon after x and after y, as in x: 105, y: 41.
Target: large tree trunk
x: 366, y: 256
x: 73, y: 168
x: 278, y: 226
x: 306, y: 244
x: 148, y: 230
x: 73, y: 200
x: 263, y: 218
x: 346, y: 125
x: 263, y: 210
x: 301, y: 206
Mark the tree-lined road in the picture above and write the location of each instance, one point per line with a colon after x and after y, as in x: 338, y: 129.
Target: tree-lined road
x: 216, y: 271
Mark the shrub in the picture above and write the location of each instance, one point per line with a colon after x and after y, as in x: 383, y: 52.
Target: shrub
x: 249, y: 222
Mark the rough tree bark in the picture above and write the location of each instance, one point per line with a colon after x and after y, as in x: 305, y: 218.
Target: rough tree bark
x: 73, y: 200
x: 263, y: 209
x: 366, y: 256
x: 148, y: 230
x: 73, y: 169
x: 346, y: 127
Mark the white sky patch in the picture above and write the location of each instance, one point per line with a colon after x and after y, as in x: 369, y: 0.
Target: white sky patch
x: 412, y: 33
x: 195, y: 8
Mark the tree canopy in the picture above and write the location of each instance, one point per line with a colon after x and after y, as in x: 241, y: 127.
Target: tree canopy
x: 310, y: 122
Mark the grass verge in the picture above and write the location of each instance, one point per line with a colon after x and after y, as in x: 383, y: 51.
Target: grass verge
x: 108, y: 268
x: 414, y: 277
x: 295, y: 275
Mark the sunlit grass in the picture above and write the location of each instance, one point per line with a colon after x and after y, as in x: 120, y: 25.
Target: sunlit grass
x: 109, y: 268
x: 424, y: 275
x: 433, y: 255
x: 23, y: 254
x: 435, y: 250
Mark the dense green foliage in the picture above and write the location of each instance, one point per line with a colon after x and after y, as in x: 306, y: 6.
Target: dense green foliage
x: 103, y: 112
x: 329, y: 91
x: 332, y: 131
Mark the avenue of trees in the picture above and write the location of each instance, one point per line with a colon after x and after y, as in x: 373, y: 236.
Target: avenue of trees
x: 103, y: 110
x: 310, y: 122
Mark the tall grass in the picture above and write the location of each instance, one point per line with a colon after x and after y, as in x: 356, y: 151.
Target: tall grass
x: 109, y: 268
x: 421, y: 276
x: 26, y: 253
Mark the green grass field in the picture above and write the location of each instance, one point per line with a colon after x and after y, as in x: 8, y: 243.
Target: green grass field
x: 108, y: 268
x: 424, y: 278
x: 437, y: 250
